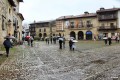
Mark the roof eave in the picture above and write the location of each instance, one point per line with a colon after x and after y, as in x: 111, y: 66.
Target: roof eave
x: 20, y: 0
x: 12, y: 3
x: 21, y: 16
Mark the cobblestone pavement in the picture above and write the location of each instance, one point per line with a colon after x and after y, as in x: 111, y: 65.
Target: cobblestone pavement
x: 47, y: 62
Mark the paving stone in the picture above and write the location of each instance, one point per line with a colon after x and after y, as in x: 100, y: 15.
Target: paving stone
x: 89, y: 61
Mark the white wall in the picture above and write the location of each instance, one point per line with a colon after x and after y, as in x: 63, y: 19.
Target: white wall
x: 119, y: 19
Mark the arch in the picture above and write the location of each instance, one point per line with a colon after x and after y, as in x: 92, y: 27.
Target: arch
x: 80, y: 35
x: 88, y: 35
x: 72, y: 34
x: 44, y: 35
x: 40, y: 34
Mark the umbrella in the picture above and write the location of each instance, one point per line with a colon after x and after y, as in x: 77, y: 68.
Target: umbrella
x: 71, y: 38
x: 105, y: 38
x: 61, y: 38
x: 10, y: 37
x: 46, y: 37
x: 74, y: 41
x: 27, y: 37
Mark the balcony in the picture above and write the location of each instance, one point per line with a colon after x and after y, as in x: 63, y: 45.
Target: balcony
x: 105, y: 18
x: 107, y: 28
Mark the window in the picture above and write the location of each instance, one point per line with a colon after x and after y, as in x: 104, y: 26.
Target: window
x: 3, y: 23
x: 111, y: 24
x: 80, y: 24
x: 44, y: 30
x: 88, y: 23
x: 72, y: 24
x: 39, y: 30
x: 103, y: 24
x: 67, y: 24
x: 102, y: 16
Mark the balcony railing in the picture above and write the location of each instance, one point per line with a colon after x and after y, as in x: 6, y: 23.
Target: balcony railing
x: 107, y: 28
x: 100, y: 18
x: 81, y: 26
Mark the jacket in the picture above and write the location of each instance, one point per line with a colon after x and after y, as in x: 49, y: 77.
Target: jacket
x: 7, y: 43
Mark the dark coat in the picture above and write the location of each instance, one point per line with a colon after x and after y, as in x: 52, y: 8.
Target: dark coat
x: 7, y: 43
x: 70, y: 43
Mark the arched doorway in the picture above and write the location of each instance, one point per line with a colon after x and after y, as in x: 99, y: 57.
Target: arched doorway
x: 72, y: 34
x: 40, y: 35
x: 88, y: 35
x: 80, y: 35
x: 44, y: 35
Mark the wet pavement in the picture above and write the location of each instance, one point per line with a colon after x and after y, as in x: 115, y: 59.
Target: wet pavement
x: 89, y: 61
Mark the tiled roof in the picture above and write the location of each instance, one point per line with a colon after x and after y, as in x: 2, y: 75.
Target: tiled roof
x: 87, y: 15
x: 47, y: 21
x: 78, y: 16
x: 65, y: 17
x: 107, y: 10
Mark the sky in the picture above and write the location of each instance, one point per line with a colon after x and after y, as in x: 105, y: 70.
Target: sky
x: 41, y: 10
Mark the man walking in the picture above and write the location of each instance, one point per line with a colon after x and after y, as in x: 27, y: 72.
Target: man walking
x: 31, y: 39
x: 60, y: 42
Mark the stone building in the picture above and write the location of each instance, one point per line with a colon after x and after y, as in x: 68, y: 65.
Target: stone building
x: 87, y: 26
x: 80, y: 27
x: 43, y: 29
x: 108, y: 21
x: 10, y: 19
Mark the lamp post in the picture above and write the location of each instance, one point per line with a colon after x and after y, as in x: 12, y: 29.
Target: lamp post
x: 50, y: 29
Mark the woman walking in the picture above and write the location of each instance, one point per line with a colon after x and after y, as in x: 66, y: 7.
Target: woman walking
x: 7, y: 45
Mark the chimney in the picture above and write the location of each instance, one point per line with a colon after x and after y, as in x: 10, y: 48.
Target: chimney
x: 86, y: 12
x: 102, y: 8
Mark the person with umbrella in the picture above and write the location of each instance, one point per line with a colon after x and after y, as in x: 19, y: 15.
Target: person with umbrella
x: 60, y: 42
x: 7, y: 45
x: 73, y: 45
x: 28, y: 39
x: 70, y: 44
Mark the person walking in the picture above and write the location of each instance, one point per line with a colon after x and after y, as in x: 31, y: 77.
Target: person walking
x: 73, y: 46
x: 31, y: 40
x: 51, y: 39
x: 54, y: 40
x: 110, y: 40
x: 105, y: 39
x: 60, y: 42
x: 46, y: 39
x: 118, y: 39
x: 64, y: 42
x: 70, y: 44
x: 7, y: 44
